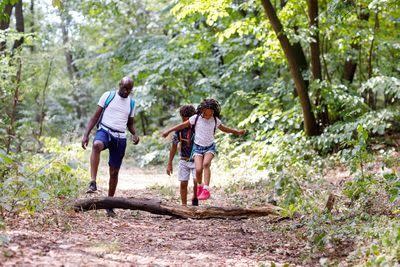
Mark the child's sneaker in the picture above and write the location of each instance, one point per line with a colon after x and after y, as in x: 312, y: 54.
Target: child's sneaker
x: 199, y: 190
x: 92, y: 187
x: 195, y: 202
x: 205, y: 194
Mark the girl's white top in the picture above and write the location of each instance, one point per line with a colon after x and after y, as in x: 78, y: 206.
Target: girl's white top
x: 204, y: 130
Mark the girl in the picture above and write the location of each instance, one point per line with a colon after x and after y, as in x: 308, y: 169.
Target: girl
x: 204, y: 123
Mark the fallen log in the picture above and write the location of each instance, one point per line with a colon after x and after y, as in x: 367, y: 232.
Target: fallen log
x: 158, y: 207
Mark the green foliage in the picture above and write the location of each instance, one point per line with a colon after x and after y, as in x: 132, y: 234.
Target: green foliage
x: 29, y: 182
x: 150, y: 151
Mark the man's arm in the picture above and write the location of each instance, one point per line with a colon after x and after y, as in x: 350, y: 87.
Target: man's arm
x: 172, y: 152
x: 230, y: 130
x: 92, y: 122
x: 178, y: 127
x: 132, y: 130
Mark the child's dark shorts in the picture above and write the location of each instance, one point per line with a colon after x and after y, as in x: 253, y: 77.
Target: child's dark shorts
x: 116, y: 147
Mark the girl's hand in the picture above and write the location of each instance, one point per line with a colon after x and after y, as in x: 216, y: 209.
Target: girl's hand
x: 169, y: 169
x: 165, y: 134
x: 241, y: 132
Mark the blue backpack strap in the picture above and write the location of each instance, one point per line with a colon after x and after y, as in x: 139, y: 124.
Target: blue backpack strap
x: 132, y: 107
x: 109, y: 98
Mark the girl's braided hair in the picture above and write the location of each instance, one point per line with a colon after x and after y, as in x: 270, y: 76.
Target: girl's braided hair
x: 187, y: 111
x: 210, y: 103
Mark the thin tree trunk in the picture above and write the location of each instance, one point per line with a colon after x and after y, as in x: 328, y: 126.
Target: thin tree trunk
x: 371, y: 95
x: 310, y: 124
x: 43, y: 103
x: 324, y: 47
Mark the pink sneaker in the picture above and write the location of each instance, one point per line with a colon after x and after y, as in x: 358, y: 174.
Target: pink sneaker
x: 199, y: 190
x: 205, y: 194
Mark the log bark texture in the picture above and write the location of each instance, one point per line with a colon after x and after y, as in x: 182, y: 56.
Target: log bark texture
x: 157, y: 207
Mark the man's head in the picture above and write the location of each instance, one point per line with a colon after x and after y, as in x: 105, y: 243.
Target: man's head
x: 187, y: 111
x: 125, y: 87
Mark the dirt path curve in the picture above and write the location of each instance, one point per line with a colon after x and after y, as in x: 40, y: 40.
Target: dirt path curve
x: 66, y: 238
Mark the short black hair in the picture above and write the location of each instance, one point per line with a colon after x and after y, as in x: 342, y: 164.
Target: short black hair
x: 187, y: 111
x: 210, y: 103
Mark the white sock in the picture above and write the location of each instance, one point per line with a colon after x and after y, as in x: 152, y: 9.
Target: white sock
x: 206, y: 187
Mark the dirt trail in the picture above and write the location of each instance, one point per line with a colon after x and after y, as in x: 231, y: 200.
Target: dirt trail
x: 66, y: 238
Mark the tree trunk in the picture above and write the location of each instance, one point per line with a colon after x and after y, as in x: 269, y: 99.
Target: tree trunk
x: 157, y: 207
x: 32, y: 23
x: 5, y: 23
x: 71, y: 68
x: 310, y: 124
x: 143, y: 122
x: 19, y: 24
x: 316, y: 69
x: 350, y: 65
x: 13, y: 114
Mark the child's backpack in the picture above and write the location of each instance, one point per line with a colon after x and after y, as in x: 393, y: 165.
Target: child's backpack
x: 110, y: 98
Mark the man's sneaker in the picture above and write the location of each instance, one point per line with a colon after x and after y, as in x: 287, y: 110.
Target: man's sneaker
x: 92, y: 187
x: 111, y: 213
x: 199, y: 190
x: 205, y: 194
x: 195, y: 202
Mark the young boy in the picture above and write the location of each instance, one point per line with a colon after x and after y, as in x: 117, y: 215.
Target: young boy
x: 186, y: 164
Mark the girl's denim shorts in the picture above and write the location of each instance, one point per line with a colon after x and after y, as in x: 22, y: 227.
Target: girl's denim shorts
x: 201, y: 150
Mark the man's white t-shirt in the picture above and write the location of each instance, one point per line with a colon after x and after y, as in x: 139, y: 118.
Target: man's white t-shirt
x: 116, y: 114
x: 204, y: 130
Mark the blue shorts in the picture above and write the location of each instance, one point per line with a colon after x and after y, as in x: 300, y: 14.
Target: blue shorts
x: 116, y: 147
x: 201, y: 150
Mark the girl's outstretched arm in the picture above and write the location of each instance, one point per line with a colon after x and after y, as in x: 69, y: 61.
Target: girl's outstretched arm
x: 181, y: 126
x: 230, y: 130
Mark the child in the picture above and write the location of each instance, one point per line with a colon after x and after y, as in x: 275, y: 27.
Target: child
x: 205, y: 123
x: 186, y: 164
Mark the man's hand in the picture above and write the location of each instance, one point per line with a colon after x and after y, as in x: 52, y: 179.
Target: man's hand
x: 169, y: 168
x: 85, y: 141
x: 135, y: 139
x: 241, y: 132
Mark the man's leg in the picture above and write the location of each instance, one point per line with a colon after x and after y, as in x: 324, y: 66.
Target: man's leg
x: 97, y: 147
x: 183, y: 189
x: 112, y: 184
x: 117, y: 152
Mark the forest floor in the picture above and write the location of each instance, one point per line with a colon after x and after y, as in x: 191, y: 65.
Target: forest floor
x: 137, y: 238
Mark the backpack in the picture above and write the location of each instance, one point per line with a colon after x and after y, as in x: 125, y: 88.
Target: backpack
x: 110, y: 98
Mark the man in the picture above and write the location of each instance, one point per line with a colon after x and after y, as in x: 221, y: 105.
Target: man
x: 115, y: 113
